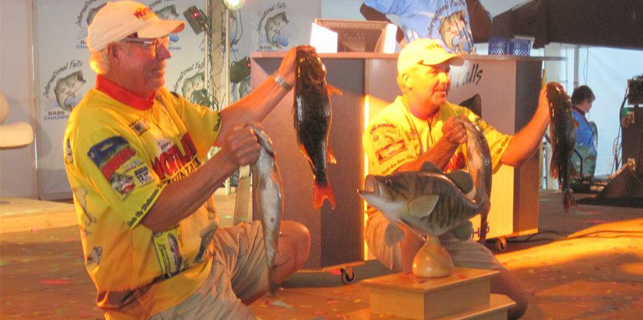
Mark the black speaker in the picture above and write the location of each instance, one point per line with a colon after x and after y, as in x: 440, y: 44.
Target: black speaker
x: 632, y: 138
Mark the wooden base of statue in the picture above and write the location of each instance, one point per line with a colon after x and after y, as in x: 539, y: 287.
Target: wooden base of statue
x: 464, y: 294
x: 432, y: 260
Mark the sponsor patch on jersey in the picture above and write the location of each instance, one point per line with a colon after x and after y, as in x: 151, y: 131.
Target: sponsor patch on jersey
x: 118, y: 163
x: 387, y: 142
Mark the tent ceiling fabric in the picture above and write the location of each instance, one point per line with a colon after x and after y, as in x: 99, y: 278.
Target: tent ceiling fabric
x: 613, y: 23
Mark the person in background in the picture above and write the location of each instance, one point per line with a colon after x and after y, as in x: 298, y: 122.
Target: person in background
x: 420, y: 126
x: 455, y: 24
x: 143, y: 190
x: 586, y: 133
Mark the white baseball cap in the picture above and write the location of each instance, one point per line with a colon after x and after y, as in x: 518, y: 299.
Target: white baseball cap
x: 427, y: 52
x: 117, y: 20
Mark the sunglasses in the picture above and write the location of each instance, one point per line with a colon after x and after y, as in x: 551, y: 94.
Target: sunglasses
x: 153, y: 43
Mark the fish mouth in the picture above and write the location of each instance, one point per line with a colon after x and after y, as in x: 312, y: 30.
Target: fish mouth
x: 376, y: 194
x: 369, y: 185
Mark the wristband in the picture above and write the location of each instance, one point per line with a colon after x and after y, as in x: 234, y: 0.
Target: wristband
x: 282, y: 82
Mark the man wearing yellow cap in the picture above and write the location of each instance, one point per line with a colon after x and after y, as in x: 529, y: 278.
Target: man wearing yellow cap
x: 420, y: 126
x: 143, y: 191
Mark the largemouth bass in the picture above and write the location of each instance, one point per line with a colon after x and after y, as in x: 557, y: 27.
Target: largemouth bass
x: 268, y: 196
x: 312, y: 117
x: 426, y: 201
x: 563, y: 139
x: 479, y: 166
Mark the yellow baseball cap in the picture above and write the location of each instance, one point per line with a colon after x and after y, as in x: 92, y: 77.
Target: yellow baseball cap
x: 427, y: 52
x: 119, y: 19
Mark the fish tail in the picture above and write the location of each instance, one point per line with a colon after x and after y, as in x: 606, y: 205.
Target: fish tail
x: 568, y: 199
x: 322, y: 192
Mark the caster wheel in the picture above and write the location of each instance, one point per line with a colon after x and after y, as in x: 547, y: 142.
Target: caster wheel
x: 347, y: 275
x: 501, y: 244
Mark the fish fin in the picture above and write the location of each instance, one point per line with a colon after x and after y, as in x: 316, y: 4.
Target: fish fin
x: 461, y: 179
x: 333, y: 90
x: 304, y: 152
x: 430, y: 167
x: 330, y: 156
x: 423, y: 205
x: 393, y: 234
x: 322, y: 192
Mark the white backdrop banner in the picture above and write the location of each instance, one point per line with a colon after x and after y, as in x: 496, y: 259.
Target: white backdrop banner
x: 63, y: 75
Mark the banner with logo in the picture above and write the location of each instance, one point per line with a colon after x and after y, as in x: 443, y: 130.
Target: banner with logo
x: 63, y: 74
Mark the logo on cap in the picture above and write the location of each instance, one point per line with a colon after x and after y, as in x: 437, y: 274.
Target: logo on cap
x: 433, y: 46
x: 141, y: 13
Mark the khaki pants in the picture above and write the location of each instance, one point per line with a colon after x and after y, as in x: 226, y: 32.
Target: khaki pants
x: 239, y: 271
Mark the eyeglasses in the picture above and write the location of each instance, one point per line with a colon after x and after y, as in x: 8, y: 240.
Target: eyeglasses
x: 153, y: 43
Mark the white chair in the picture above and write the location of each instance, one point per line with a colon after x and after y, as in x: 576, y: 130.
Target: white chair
x: 13, y: 135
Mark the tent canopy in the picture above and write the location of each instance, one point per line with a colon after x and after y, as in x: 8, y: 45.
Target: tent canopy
x: 612, y: 23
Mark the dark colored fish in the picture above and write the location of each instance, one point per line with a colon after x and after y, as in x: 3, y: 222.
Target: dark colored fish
x: 268, y: 193
x: 479, y: 166
x: 563, y: 139
x: 427, y: 201
x: 312, y: 117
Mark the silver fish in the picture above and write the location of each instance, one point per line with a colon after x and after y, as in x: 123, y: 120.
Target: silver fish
x: 427, y: 201
x: 479, y: 166
x: 268, y: 196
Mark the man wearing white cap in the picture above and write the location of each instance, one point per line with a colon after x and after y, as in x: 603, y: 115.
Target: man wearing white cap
x: 142, y: 189
x: 420, y: 126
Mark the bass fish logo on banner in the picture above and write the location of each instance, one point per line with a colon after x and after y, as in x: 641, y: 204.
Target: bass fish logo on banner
x: 62, y: 90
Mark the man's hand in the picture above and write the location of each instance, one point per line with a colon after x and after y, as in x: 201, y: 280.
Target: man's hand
x: 241, y: 146
x: 454, y: 132
x: 543, y: 103
x: 288, y: 66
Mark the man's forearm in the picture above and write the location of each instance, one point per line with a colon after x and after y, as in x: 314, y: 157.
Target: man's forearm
x: 253, y: 107
x: 524, y: 143
x: 182, y: 198
x: 439, y: 155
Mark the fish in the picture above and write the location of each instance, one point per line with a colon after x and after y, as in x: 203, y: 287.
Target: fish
x: 563, y: 139
x: 66, y: 88
x: 269, y: 198
x: 312, y: 120
x: 427, y: 201
x: 480, y: 168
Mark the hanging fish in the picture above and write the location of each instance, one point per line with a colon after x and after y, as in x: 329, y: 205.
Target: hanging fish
x: 563, y: 139
x: 479, y: 166
x: 312, y: 118
x: 268, y: 195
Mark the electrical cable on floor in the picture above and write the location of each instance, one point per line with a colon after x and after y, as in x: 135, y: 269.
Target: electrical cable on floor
x: 530, y: 237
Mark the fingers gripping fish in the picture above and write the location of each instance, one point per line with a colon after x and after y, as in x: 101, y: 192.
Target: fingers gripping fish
x: 563, y: 139
x: 428, y: 202
x: 268, y: 196
x: 312, y: 118
x: 479, y: 166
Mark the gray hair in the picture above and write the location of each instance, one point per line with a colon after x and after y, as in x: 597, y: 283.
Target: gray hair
x: 99, y: 61
x: 400, y: 77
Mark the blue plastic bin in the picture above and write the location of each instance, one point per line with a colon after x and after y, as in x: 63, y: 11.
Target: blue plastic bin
x: 519, y: 47
x: 498, y: 45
